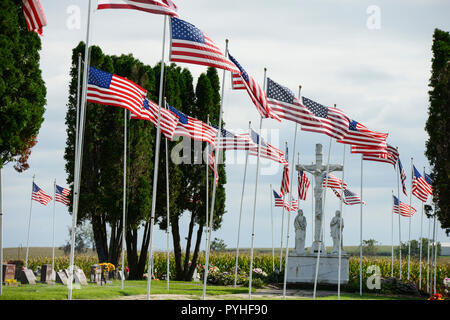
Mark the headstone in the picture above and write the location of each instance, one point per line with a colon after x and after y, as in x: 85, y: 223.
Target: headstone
x: 96, y: 274
x: 196, y: 276
x: 61, y: 277
x: 120, y: 275
x: 80, y: 277
x: 9, y: 272
x: 46, y: 273
x: 19, y: 264
x: 27, y: 277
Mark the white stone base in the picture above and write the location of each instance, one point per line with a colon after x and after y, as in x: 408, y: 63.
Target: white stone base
x: 302, y: 269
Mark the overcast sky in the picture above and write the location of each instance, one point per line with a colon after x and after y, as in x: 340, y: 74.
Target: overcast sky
x: 371, y: 58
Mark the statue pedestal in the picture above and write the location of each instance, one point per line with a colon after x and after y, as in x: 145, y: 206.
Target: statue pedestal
x: 302, y: 268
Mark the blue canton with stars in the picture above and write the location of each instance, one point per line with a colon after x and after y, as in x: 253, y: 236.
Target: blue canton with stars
x: 145, y: 104
x: 99, y: 78
x: 278, y: 92
x: 183, y: 30
x: 316, y: 108
x: 224, y: 133
x: 182, y: 117
x: 255, y: 138
x: 244, y: 73
x: 428, y: 179
x: 276, y: 195
x: 352, y: 126
x: 35, y: 188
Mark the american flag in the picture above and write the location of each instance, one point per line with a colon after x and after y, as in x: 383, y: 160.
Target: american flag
x: 420, y: 187
x: 267, y: 151
x: 113, y: 90
x: 256, y: 93
x: 402, y: 176
x: 212, y: 163
x: 34, y: 15
x: 360, y: 135
x: 285, y: 179
x: 149, y: 111
x: 402, y: 208
x: 191, y: 45
x: 237, y: 83
x: 193, y: 128
x: 350, y: 198
x: 166, y: 7
x: 333, y: 182
x: 428, y: 180
x: 62, y: 195
x: 230, y: 140
x: 294, y: 205
x: 303, y: 185
x: 279, y: 202
x: 39, y: 195
x: 391, y: 157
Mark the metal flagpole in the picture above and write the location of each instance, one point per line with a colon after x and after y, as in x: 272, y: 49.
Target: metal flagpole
x: 282, y: 227
x: 240, y: 215
x: 360, y: 231
x: 156, y: 163
x: 290, y: 203
x: 312, y: 210
x: 53, y: 241
x: 409, y: 228
x: 271, y: 222
x: 207, y: 193
x: 340, y: 226
x: 78, y: 153
x: 399, y: 224
x: 392, y: 232
x: 428, y: 254
x: 216, y: 156
x: 29, y: 225
x: 420, y: 245
x: 1, y: 235
x: 322, y: 225
x: 435, y: 253
x: 125, y: 118
x: 168, y: 214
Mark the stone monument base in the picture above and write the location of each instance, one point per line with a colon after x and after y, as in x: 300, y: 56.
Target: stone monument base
x: 302, y: 268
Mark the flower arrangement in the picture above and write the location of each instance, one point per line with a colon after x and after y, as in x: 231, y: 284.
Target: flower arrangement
x: 447, y: 286
x: 11, y: 283
x: 436, y: 296
x: 106, y: 266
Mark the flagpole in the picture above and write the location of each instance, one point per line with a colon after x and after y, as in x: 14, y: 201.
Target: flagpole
x: 216, y: 156
x: 420, y: 245
x: 290, y: 202
x: 1, y: 235
x: 207, y: 195
x: 168, y: 214
x: 125, y: 116
x: 271, y: 222
x: 428, y: 254
x: 340, y: 225
x: 360, y: 231
x: 312, y: 211
x: 399, y: 224
x: 322, y: 225
x: 156, y: 163
x: 409, y: 228
x: 53, y: 242
x: 78, y: 153
x: 435, y: 252
x: 392, y: 237
x: 29, y: 225
x: 240, y: 216
x: 282, y: 226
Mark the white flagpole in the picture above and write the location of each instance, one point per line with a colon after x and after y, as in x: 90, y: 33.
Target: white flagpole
x: 435, y: 251
x: 409, y: 228
x: 78, y: 153
x: 29, y: 225
x: 1, y: 235
x: 282, y: 226
x: 420, y: 245
x: 340, y: 226
x: 156, y: 163
x: 392, y: 237
x: 53, y: 241
x: 360, y: 231
x: 125, y: 119
x: 312, y: 210
x: 240, y: 216
x: 271, y: 221
x: 428, y: 255
x: 216, y: 156
x: 168, y: 214
x: 290, y: 203
x: 207, y: 194
x: 322, y: 225
x: 399, y: 224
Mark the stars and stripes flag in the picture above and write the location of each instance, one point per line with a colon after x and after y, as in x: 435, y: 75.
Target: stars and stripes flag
x: 279, y: 202
x: 333, y: 182
x: 34, y: 15
x: 190, y: 45
x: 39, y: 195
x: 402, y: 176
x: 391, y: 156
x: 303, y: 185
x: 420, y: 187
x: 113, y: 90
x: 193, y: 128
x: 429, y: 181
x: 230, y: 140
x: 294, y: 205
x: 149, y: 111
x: 237, y: 83
x: 256, y: 93
x: 402, y: 208
x: 284, y: 189
x: 166, y: 7
x: 350, y: 198
x: 62, y: 195
x: 267, y: 151
x: 359, y: 135
x: 212, y: 164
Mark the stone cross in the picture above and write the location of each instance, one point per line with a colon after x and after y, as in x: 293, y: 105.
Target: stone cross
x: 319, y: 171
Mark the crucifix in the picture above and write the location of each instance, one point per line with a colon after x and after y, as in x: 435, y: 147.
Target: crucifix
x: 319, y: 171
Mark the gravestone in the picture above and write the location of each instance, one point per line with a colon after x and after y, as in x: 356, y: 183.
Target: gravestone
x: 9, y: 272
x: 46, y: 273
x: 27, y: 277
x: 80, y: 277
x: 120, y: 275
x: 19, y: 264
x: 196, y: 276
x: 95, y: 274
x: 61, y: 277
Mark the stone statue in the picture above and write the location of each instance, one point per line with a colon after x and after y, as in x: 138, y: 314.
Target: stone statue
x: 337, y: 227
x: 300, y: 232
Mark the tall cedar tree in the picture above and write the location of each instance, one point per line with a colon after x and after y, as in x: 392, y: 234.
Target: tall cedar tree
x: 22, y: 90
x: 101, y: 188
x: 438, y: 126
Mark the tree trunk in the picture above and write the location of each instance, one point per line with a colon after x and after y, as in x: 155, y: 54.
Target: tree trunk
x: 101, y: 244
x: 195, y: 255
x: 188, y: 249
x: 177, y: 248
